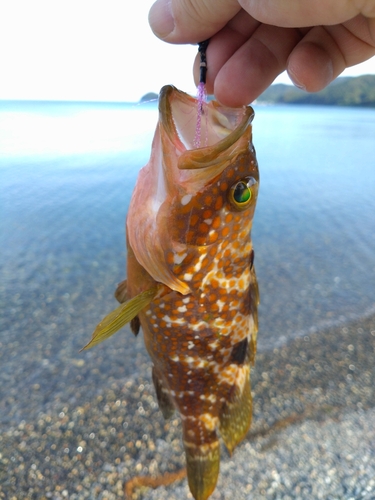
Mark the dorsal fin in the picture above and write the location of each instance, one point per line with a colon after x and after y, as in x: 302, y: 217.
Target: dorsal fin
x: 235, y: 417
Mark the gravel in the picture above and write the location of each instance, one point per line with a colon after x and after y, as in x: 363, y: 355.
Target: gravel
x: 79, y: 426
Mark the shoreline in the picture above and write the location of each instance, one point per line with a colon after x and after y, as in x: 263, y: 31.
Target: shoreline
x: 313, y: 429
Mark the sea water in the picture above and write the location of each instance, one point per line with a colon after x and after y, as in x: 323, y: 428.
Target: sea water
x: 67, y: 171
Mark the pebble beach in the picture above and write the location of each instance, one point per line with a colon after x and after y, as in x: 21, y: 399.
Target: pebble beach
x: 313, y: 433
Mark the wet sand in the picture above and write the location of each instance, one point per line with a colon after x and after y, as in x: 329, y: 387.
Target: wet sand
x: 80, y: 426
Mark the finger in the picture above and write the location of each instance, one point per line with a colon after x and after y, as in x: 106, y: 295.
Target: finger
x: 255, y: 65
x: 190, y: 21
x: 356, y: 39
x: 224, y: 44
x: 289, y: 13
x: 326, y: 51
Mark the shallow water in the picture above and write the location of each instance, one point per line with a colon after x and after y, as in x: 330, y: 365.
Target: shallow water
x: 314, y: 231
x: 67, y: 172
x: 79, y: 425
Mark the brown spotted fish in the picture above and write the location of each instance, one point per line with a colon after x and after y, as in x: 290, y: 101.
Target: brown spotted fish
x: 191, y: 283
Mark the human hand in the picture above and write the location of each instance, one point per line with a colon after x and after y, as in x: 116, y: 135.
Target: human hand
x: 253, y: 41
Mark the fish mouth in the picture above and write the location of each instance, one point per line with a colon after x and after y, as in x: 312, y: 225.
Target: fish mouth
x: 221, y: 128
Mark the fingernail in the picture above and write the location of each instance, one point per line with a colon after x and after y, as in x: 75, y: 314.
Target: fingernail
x: 161, y: 18
x: 323, y: 75
x: 295, y: 80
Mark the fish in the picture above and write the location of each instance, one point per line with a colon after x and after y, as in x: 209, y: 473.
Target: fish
x: 191, y: 284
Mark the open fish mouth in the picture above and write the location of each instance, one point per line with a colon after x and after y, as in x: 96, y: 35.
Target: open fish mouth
x: 180, y: 180
x: 220, y: 127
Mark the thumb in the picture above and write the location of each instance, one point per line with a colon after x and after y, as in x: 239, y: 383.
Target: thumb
x: 190, y: 21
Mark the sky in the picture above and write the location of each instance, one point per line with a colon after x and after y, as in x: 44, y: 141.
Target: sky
x: 92, y: 50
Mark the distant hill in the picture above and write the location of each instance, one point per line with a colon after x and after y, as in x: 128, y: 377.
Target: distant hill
x: 345, y: 91
x: 151, y: 96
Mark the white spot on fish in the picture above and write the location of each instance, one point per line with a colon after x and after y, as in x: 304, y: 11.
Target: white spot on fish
x: 218, y: 323
x: 182, y: 309
x: 198, y: 326
x: 213, y: 345
x: 186, y: 199
x: 208, y: 421
x: 220, y: 304
x: 170, y: 321
x: 190, y: 344
x: 186, y: 300
x: 211, y: 397
x: 178, y: 258
x: 189, y: 359
x: 198, y: 265
x: 188, y: 276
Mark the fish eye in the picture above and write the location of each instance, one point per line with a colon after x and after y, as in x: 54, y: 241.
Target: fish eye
x: 241, y: 193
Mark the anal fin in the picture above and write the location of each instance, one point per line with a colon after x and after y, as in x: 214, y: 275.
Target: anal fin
x: 235, y: 417
x: 165, y: 403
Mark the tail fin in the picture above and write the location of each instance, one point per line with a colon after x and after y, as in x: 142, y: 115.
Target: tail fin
x: 202, y: 463
x: 202, y: 449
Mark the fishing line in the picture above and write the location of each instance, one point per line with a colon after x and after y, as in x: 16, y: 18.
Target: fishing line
x: 201, y: 94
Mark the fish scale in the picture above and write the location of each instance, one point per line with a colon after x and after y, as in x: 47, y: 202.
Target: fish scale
x: 190, y: 257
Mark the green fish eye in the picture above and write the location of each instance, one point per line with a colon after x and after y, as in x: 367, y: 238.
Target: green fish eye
x: 241, y: 192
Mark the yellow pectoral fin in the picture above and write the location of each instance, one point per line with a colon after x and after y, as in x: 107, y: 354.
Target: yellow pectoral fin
x: 116, y: 319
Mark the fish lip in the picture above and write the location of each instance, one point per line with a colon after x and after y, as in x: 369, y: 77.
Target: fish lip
x: 209, y: 155
x: 165, y: 110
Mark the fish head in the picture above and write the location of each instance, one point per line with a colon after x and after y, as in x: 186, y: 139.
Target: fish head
x: 197, y: 195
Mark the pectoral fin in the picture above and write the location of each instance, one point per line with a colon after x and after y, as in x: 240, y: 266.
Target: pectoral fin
x: 120, y: 316
x: 135, y: 325
x: 235, y: 418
